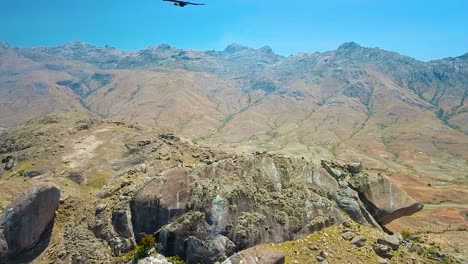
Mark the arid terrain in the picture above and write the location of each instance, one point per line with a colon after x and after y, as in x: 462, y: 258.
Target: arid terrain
x: 399, y: 117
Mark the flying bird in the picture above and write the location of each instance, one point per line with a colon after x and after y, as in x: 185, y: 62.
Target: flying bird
x: 182, y: 3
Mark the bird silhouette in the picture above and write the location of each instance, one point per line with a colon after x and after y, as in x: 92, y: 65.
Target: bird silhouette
x: 182, y: 3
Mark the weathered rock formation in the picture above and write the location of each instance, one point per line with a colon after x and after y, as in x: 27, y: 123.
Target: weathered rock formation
x: 160, y: 200
x: 386, y: 201
x: 382, y: 198
x: 26, y: 219
x: 206, y: 213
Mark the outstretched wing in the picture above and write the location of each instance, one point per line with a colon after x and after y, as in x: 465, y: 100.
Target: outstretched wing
x: 189, y: 3
x: 183, y: 3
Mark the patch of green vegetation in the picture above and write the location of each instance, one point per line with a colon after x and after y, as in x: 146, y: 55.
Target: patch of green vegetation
x: 444, y: 117
x: 281, y: 217
x: 20, y: 170
x: 97, y: 182
x: 142, y: 250
x: 433, y: 253
x: 406, y: 235
x: 382, y: 126
x: 175, y: 260
x: 247, y: 224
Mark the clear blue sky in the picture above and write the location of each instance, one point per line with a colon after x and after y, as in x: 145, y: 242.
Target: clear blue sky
x: 424, y: 29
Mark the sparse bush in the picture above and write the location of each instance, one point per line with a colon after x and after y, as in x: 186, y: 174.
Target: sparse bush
x: 148, y: 241
x: 406, y: 235
x: 175, y: 260
x: 142, y: 250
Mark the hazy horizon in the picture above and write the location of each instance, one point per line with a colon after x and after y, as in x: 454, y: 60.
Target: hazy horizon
x: 420, y: 29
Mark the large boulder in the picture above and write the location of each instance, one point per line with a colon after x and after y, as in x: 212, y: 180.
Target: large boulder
x: 385, y: 200
x: 155, y: 259
x: 391, y: 241
x: 27, y: 218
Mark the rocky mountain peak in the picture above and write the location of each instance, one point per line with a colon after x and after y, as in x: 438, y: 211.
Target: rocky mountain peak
x: 164, y: 46
x: 4, y: 45
x: 266, y: 49
x: 78, y: 45
x: 234, y: 47
x: 349, y: 46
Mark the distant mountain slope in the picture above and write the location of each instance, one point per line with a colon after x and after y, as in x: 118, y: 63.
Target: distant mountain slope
x: 351, y: 103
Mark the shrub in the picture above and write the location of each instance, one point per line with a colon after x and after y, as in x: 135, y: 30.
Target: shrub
x: 142, y: 250
x: 406, y: 235
x: 175, y: 260
x: 148, y: 241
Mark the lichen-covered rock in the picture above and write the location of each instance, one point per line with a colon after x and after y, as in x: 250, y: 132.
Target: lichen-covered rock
x: 27, y: 217
x: 383, y: 251
x: 220, y: 248
x: 256, y: 255
x: 247, y: 201
x: 159, y: 201
x: 157, y: 259
x: 382, y: 198
x: 186, y: 237
x: 121, y: 220
x: 78, y: 177
x: 196, y: 251
x: 348, y: 200
x: 264, y: 198
x: 389, y: 240
x: 359, y: 241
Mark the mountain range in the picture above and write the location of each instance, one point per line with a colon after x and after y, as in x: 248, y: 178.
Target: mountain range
x: 377, y: 105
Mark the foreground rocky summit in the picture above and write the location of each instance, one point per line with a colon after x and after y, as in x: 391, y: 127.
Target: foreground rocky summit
x: 124, y: 182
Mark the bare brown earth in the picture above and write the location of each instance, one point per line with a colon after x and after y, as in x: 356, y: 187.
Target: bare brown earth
x: 444, y: 218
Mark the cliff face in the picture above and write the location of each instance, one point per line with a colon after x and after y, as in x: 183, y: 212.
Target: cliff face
x: 121, y: 182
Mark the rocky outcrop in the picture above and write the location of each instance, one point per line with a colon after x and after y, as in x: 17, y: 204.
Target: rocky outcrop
x: 26, y: 219
x: 7, y: 163
x: 386, y: 201
x: 257, y: 255
x: 158, y: 259
x: 348, y: 200
x: 377, y: 195
x: 159, y: 201
x: 186, y: 237
x: 206, y: 213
